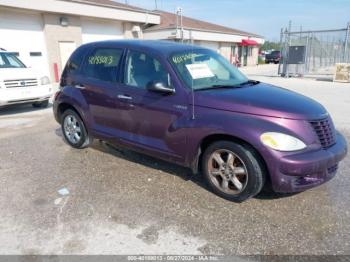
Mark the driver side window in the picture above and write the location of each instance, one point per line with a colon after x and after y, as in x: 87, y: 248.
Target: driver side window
x: 141, y: 69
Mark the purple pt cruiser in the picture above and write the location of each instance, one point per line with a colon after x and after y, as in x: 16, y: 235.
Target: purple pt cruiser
x: 190, y: 106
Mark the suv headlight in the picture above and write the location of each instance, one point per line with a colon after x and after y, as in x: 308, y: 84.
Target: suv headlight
x: 281, y: 142
x: 44, y: 80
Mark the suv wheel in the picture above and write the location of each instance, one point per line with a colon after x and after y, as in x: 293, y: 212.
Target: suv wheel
x: 73, y: 129
x: 42, y: 104
x: 233, y: 171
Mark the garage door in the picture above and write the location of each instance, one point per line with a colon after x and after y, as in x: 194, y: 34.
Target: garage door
x: 97, y: 31
x: 23, y: 33
x: 209, y: 44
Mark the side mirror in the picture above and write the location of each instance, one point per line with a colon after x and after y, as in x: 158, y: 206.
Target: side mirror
x: 160, y: 87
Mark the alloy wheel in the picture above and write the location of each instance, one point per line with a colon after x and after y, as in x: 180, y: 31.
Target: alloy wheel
x: 227, y: 171
x: 72, y: 129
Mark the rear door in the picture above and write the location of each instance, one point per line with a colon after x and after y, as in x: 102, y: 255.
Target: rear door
x: 98, y: 83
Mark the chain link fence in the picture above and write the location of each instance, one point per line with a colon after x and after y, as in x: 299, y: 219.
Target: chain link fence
x: 313, y: 52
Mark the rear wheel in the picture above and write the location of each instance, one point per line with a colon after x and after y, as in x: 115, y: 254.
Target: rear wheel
x: 233, y: 171
x: 41, y: 104
x: 73, y: 129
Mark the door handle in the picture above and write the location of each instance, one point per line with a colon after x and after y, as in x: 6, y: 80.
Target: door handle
x: 125, y: 97
x: 79, y: 86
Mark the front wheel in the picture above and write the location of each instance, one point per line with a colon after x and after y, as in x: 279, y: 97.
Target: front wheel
x: 73, y: 129
x: 233, y: 171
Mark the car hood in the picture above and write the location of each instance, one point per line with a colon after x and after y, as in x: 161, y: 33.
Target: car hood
x: 261, y: 99
x: 17, y: 73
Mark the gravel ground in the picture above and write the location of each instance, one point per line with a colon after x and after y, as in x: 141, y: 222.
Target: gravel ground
x: 121, y: 202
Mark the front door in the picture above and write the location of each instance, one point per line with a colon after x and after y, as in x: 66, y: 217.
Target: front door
x: 157, y: 118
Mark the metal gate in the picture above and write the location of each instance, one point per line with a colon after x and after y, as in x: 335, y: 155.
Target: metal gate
x: 313, y: 52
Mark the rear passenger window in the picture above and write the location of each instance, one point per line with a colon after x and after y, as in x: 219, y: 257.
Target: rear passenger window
x: 75, y: 61
x: 102, y: 64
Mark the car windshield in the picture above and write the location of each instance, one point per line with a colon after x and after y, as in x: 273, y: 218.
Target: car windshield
x: 9, y: 60
x: 205, y: 69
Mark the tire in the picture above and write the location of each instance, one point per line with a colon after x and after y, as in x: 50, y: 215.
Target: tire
x: 72, y: 123
x: 246, y: 167
x: 42, y: 104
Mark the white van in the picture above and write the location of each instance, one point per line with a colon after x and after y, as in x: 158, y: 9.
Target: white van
x: 20, y: 84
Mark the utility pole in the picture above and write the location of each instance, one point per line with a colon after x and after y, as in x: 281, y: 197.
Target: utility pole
x: 179, y: 24
x: 182, y: 28
x: 287, y: 57
x: 346, y: 49
x: 281, y: 49
x: 156, y: 4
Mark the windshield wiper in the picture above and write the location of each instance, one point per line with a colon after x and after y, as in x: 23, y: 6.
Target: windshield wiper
x: 216, y: 87
x: 249, y: 82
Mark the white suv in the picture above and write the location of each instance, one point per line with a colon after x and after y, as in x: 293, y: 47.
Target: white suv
x: 19, y: 84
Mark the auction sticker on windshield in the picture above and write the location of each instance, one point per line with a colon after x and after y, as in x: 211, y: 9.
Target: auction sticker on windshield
x: 198, y: 71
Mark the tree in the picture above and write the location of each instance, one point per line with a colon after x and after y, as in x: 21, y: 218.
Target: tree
x: 270, y: 45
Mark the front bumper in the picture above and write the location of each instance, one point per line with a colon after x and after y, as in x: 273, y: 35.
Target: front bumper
x: 22, y: 95
x: 299, y: 172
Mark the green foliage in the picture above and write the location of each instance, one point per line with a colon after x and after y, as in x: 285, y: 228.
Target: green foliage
x: 270, y: 45
x: 261, y: 61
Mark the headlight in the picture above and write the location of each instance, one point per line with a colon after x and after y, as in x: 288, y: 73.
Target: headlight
x: 282, y: 142
x: 44, y: 80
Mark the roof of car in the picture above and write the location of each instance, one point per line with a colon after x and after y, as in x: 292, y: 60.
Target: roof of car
x: 156, y: 46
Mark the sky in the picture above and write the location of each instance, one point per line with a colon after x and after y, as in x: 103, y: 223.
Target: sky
x: 263, y: 17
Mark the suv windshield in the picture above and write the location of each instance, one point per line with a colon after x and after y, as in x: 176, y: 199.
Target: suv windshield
x: 275, y: 53
x: 9, y: 60
x: 203, y: 69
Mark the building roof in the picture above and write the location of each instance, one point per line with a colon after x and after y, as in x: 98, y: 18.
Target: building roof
x: 168, y: 21
x: 110, y: 3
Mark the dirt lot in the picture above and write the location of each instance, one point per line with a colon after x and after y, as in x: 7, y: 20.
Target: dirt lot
x: 120, y: 202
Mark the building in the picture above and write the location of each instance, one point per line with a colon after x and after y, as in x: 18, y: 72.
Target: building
x: 45, y: 32
x: 231, y: 43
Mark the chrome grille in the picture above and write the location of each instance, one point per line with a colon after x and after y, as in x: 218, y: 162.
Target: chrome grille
x: 325, y: 131
x: 20, y: 83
